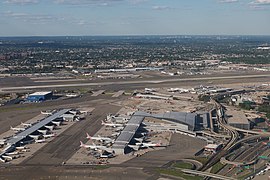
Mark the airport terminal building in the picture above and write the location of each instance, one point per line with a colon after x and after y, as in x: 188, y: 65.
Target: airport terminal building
x: 181, y: 122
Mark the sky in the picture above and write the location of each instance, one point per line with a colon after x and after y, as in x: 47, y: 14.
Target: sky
x: 134, y: 17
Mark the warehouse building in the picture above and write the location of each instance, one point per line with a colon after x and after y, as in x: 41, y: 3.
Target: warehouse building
x: 39, y: 96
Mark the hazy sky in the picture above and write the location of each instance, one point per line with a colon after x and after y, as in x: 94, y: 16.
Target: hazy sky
x: 134, y: 17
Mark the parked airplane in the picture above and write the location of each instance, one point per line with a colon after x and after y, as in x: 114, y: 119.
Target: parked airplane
x: 12, y: 153
x: 147, y: 145
x: 149, y: 90
x: 112, y: 124
x: 181, y: 90
x: 107, y: 155
x: 134, y: 147
x: 26, y: 124
x: 40, y: 140
x: 2, y: 159
x: 99, y: 138
x: 117, y: 129
x: 21, y: 147
x: 7, y: 157
x: 115, y: 134
x: 46, y: 112
x: 43, y: 131
x: 57, y: 123
x: 17, y: 129
x: 139, y: 139
x: 49, y: 135
x: 35, y: 136
x: 94, y: 147
x: 50, y: 127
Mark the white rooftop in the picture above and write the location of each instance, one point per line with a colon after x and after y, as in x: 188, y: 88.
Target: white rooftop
x: 211, y: 146
x: 40, y: 93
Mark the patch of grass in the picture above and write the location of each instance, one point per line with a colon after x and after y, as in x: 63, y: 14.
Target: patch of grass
x: 217, y: 167
x: 203, y: 160
x: 4, y: 109
x: 179, y: 173
x: 100, y: 167
x: 183, y: 165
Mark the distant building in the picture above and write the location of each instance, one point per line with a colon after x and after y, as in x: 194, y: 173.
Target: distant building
x: 39, y: 96
x: 237, y: 119
x: 212, y: 148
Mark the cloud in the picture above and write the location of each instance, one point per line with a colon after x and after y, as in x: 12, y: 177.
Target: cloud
x: 33, y: 18
x: 228, y: 1
x: 160, y: 7
x: 260, y: 2
x: 21, y: 2
x: 137, y: 1
x: 87, y: 2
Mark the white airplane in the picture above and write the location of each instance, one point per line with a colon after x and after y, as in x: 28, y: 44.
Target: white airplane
x: 7, y: 157
x: 57, y: 123
x: 49, y: 135
x: 17, y: 129
x: 43, y: 131
x: 118, y: 129
x: 46, y: 113
x: 26, y: 124
x: 99, y: 138
x: 112, y: 124
x: 13, y: 153
x: 94, y: 147
x: 177, y: 90
x: 2, y: 159
x: 149, y: 90
x: 40, y: 140
x: 110, y: 155
x: 72, y: 95
x: 134, y: 147
x: 50, y: 127
x: 138, y: 139
x: 34, y: 136
x: 115, y: 134
x: 146, y: 145
x: 25, y: 150
x: 21, y: 147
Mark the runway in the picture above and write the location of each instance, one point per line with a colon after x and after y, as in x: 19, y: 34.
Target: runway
x: 131, y: 82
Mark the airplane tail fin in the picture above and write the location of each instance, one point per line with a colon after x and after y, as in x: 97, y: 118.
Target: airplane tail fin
x: 82, y: 145
x: 88, y: 136
x: 102, y: 122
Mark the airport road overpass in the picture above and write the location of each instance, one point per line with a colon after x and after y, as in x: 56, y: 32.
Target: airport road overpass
x: 207, y: 174
x: 146, y: 82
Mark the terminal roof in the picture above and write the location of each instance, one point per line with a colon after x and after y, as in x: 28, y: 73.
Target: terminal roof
x: 20, y: 136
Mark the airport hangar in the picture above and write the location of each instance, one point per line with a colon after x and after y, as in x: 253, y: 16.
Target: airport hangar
x: 184, y: 122
x: 39, y: 96
x: 20, y: 137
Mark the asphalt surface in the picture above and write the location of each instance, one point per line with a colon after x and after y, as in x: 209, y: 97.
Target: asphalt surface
x: 180, y: 147
x: 130, y: 84
x: 67, y: 143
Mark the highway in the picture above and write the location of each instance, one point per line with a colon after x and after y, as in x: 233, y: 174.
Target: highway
x: 146, y: 82
x: 226, y: 149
